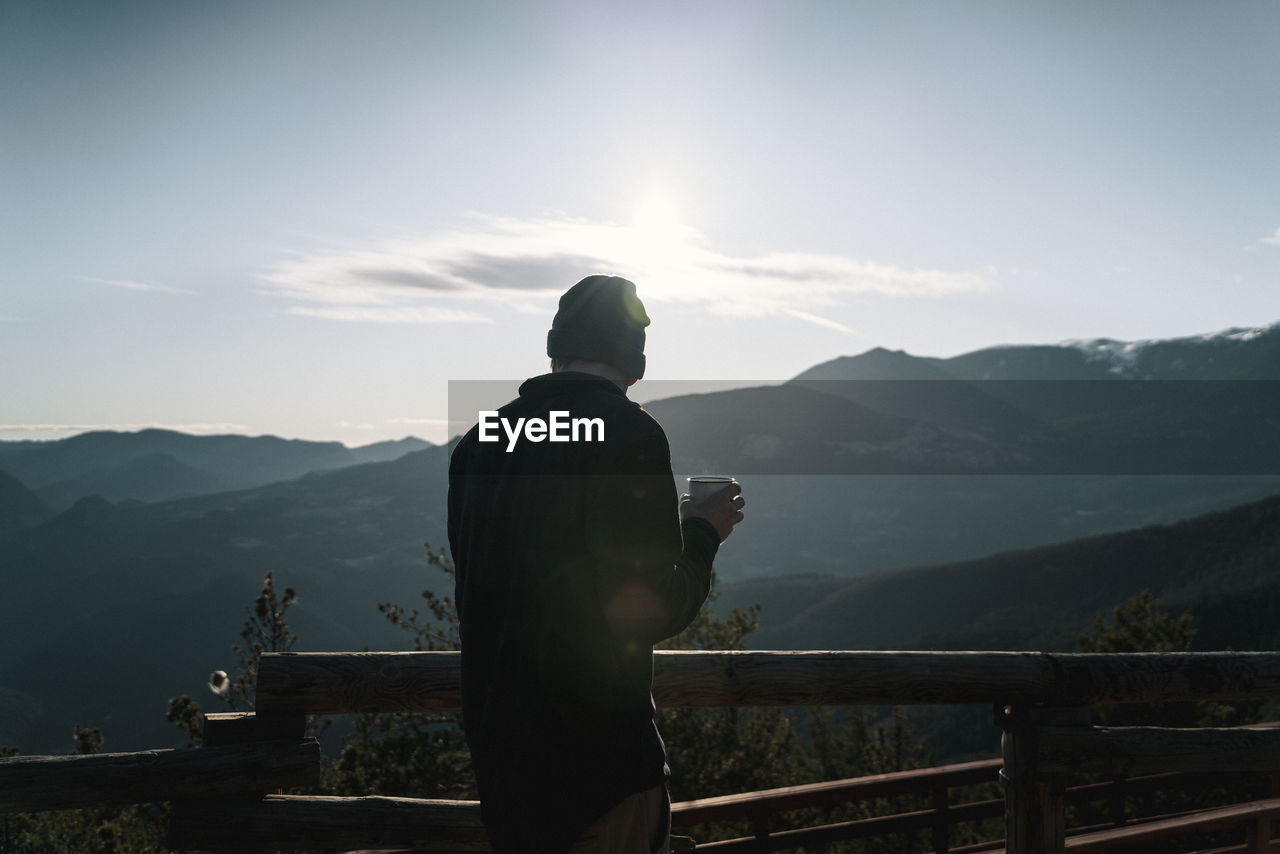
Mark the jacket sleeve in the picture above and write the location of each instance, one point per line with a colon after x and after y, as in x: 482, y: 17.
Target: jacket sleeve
x: 652, y: 572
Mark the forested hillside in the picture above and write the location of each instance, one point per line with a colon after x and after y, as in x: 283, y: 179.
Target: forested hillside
x: 1224, y: 568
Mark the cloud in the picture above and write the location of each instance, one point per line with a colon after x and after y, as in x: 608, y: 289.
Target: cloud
x: 389, y: 314
x: 435, y: 422
x: 126, y: 284
x: 821, y: 321
x: 1272, y: 240
x: 465, y: 275
x: 520, y: 274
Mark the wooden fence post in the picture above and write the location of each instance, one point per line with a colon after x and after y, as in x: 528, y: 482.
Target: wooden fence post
x: 1034, y: 810
x: 760, y: 826
x: 1116, y: 799
x: 941, y: 819
x: 271, y: 732
x: 1258, y: 836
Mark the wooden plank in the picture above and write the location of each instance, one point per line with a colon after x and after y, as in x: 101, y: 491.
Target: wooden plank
x: 329, y: 824
x: 708, y: 679
x: 332, y: 823
x: 993, y: 847
x: 1130, y: 751
x: 908, y: 822
x: 832, y: 792
x: 1108, y: 789
x: 1273, y: 846
x: 221, y: 728
x: 997, y: 846
x: 33, y: 783
x: 1237, y: 815
x: 343, y: 683
x: 319, y: 823
x: 358, y: 682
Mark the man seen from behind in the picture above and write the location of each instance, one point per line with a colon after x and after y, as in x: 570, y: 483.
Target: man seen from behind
x: 574, y: 557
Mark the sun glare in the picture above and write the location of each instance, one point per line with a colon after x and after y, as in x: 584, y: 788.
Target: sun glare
x: 657, y: 214
x: 658, y: 239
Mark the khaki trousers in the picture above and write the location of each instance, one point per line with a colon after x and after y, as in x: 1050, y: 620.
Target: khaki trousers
x: 639, y: 825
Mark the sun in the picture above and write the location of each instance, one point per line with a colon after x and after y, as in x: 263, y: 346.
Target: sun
x: 657, y: 214
x: 656, y: 243
x: 658, y: 226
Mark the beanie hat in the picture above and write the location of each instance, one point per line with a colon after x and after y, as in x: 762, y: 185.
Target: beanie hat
x: 600, y: 319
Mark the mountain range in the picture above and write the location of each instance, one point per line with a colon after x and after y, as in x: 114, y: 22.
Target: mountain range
x: 1243, y: 353
x: 126, y: 559
x: 157, y: 465
x: 109, y: 609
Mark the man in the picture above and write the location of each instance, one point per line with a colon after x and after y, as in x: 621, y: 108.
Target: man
x: 573, y: 558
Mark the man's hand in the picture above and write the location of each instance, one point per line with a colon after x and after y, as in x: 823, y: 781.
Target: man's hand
x: 722, y: 509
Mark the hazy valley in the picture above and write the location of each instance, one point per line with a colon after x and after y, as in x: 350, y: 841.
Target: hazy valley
x: 999, y: 499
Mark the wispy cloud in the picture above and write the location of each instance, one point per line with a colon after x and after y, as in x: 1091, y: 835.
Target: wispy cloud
x: 462, y: 275
x: 433, y: 422
x: 821, y: 321
x: 389, y: 314
x: 129, y: 285
x: 1272, y: 240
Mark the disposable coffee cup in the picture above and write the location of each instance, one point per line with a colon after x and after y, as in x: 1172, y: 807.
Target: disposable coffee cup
x: 703, y: 485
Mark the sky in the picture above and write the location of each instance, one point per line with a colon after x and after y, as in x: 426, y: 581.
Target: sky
x: 306, y: 218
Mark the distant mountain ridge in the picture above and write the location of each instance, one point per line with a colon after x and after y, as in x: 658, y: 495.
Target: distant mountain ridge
x: 883, y: 460
x: 1200, y: 405
x: 1241, y: 353
x: 158, y: 465
x: 1236, y: 353
x: 19, y: 506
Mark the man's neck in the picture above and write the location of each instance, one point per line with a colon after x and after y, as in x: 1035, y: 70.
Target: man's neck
x: 599, y: 369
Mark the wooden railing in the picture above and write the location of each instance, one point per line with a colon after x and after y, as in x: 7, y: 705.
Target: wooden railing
x: 220, y: 791
x: 760, y: 808
x: 338, y: 683
x: 940, y: 819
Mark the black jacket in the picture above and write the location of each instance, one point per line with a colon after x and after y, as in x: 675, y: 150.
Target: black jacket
x: 571, y: 563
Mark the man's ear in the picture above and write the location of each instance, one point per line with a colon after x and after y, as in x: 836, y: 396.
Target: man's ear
x: 632, y: 382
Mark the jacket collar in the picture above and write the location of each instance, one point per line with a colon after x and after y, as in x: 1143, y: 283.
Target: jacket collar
x: 566, y: 381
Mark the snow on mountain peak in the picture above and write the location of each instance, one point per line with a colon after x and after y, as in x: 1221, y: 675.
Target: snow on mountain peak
x: 1122, y: 356
x: 1240, y: 333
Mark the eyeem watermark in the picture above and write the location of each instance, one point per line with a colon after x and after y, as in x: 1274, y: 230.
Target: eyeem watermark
x: 561, y: 427
x: 932, y: 427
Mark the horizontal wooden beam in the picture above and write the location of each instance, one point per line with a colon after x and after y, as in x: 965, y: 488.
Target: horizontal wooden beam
x: 343, y: 683
x: 219, y: 728
x: 833, y: 792
x: 311, y: 823
x: 339, y: 823
x: 333, y: 823
x: 1162, y: 831
x: 34, y: 783
x: 826, y: 834
x: 1130, y: 751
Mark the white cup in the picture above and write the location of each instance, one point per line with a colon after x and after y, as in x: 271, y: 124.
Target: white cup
x: 704, y: 485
